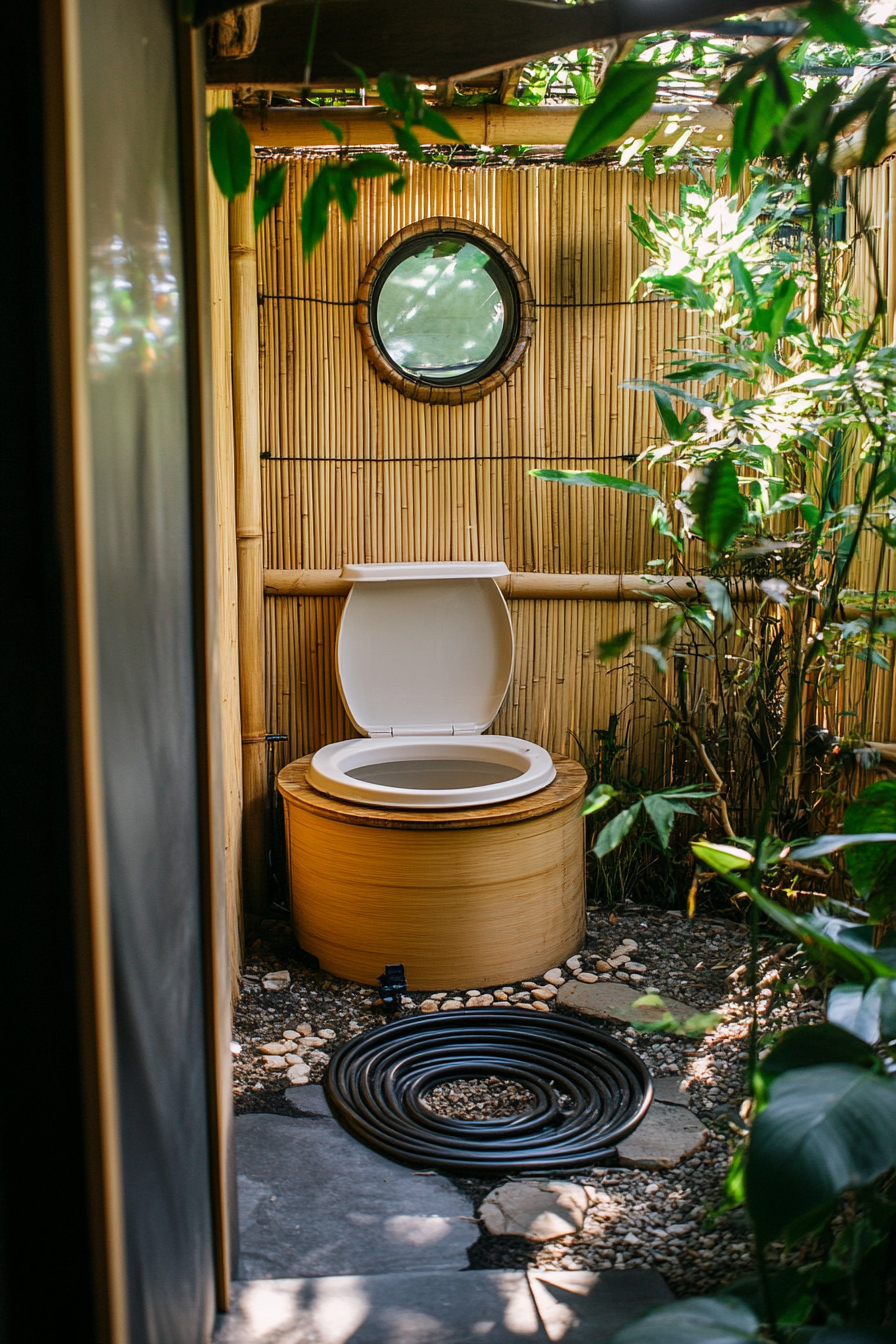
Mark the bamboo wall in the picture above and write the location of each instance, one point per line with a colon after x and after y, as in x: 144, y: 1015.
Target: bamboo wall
x: 353, y: 471
x: 357, y: 472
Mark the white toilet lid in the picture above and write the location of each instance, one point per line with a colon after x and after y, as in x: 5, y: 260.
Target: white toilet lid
x: 424, y: 648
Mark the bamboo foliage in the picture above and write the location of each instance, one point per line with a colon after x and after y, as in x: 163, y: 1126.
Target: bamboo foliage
x: 353, y: 471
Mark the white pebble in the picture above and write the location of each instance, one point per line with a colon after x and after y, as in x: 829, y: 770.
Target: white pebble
x: 299, y: 1074
x: 450, y: 1005
x: 275, y: 1062
x: 554, y: 976
x: 574, y: 963
x: 327, y: 1033
x: 276, y: 1048
x: 290, y: 1035
x: 429, y: 1006
x: 586, y: 977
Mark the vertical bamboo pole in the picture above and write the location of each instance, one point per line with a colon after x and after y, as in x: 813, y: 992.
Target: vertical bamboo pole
x: 247, y: 447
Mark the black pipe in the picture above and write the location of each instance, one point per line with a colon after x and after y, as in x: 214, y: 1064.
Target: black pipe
x: 590, y: 1090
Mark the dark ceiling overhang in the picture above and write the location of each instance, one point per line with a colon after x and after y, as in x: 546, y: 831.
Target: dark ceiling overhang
x: 434, y: 40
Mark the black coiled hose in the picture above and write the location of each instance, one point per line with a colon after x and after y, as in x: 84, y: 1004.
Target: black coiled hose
x: 377, y: 1082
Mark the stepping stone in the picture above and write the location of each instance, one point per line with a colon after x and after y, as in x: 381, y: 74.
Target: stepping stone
x: 613, y: 1002
x: 538, y: 1210
x: 592, y: 1307
x: 313, y: 1200
x: 498, y: 1306
x: 665, y: 1137
x: 309, y: 1100
x: 429, y: 1308
x: 670, y: 1090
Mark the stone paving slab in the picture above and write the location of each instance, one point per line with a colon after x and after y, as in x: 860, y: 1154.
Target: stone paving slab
x: 612, y: 1001
x: 670, y: 1090
x: 665, y: 1137
x: 422, y: 1308
x: 315, y: 1201
x: 496, y: 1306
x: 578, y: 1305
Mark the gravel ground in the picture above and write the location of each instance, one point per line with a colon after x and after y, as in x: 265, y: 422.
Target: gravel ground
x: 656, y: 1219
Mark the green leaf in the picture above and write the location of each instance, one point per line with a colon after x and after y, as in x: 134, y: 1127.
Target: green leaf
x: 374, y: 165
x: 408, y: 142
x: 434, y: 121
x: 648, y: 162
x: 595, y: 478
x: 671, y: 422
x: 755, y: 123
x: 848, y: 948
x: 743, y: 281
x: 872, y: 867
x: 701, y: 616
x: 583, y: 85
x: 718, y: 505
x: 876, y: 131
x: 641, y: 229
x: 808, y: 1047
x: 718, y: 597
x: 616, y: 830
x: 696, y: 1320
x: 690, y: 292
x: 830, y: 20
x: 615, y: 646
x: 397, y: 92
x: 627, y: 92
x: 868, y: 1013
x: 316, y: 209
x: 345, y: 191
x: 230, y: 152
x: 830, y: 844
x: 825, y: 1130
x: 334, y: 130
x: 662, y: 812
x: 722, y: 858
x: 598, y: 798
x: 268, y: 193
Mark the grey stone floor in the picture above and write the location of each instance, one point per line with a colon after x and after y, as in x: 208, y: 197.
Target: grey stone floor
x: 315, y: 1201
x: 341, y: 1246
x: 440, y: 1307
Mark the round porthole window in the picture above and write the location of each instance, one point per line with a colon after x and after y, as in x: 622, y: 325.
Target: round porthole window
x: 445, y: 311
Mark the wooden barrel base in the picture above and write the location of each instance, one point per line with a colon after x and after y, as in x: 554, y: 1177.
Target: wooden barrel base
x: 465, y: 899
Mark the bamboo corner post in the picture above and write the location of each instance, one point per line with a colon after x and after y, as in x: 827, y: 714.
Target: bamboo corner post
x: 250, y: 538
x: 474, y: 896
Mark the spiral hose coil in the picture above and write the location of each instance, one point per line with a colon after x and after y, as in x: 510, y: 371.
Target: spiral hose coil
x: 377, y: 1083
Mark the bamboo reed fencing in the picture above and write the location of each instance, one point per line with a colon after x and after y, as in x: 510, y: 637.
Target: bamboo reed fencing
x: 352, y: 471
x: 356, y: 472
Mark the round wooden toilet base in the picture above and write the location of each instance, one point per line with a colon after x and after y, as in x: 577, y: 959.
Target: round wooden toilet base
x: 464, y: 899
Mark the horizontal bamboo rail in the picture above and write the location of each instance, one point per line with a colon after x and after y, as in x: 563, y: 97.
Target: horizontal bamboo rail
x: 593, y: 587
x: 488, y: 124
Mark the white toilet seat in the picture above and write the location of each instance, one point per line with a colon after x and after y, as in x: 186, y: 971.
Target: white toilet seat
x: 332, y: 770
x: 424, y: 658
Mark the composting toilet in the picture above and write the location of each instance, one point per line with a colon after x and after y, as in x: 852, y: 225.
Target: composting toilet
x: 424, y: 658
x: 427, y: 841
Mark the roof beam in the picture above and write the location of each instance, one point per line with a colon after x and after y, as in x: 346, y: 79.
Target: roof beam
x: 431, y: 41
x: 487, y: 124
